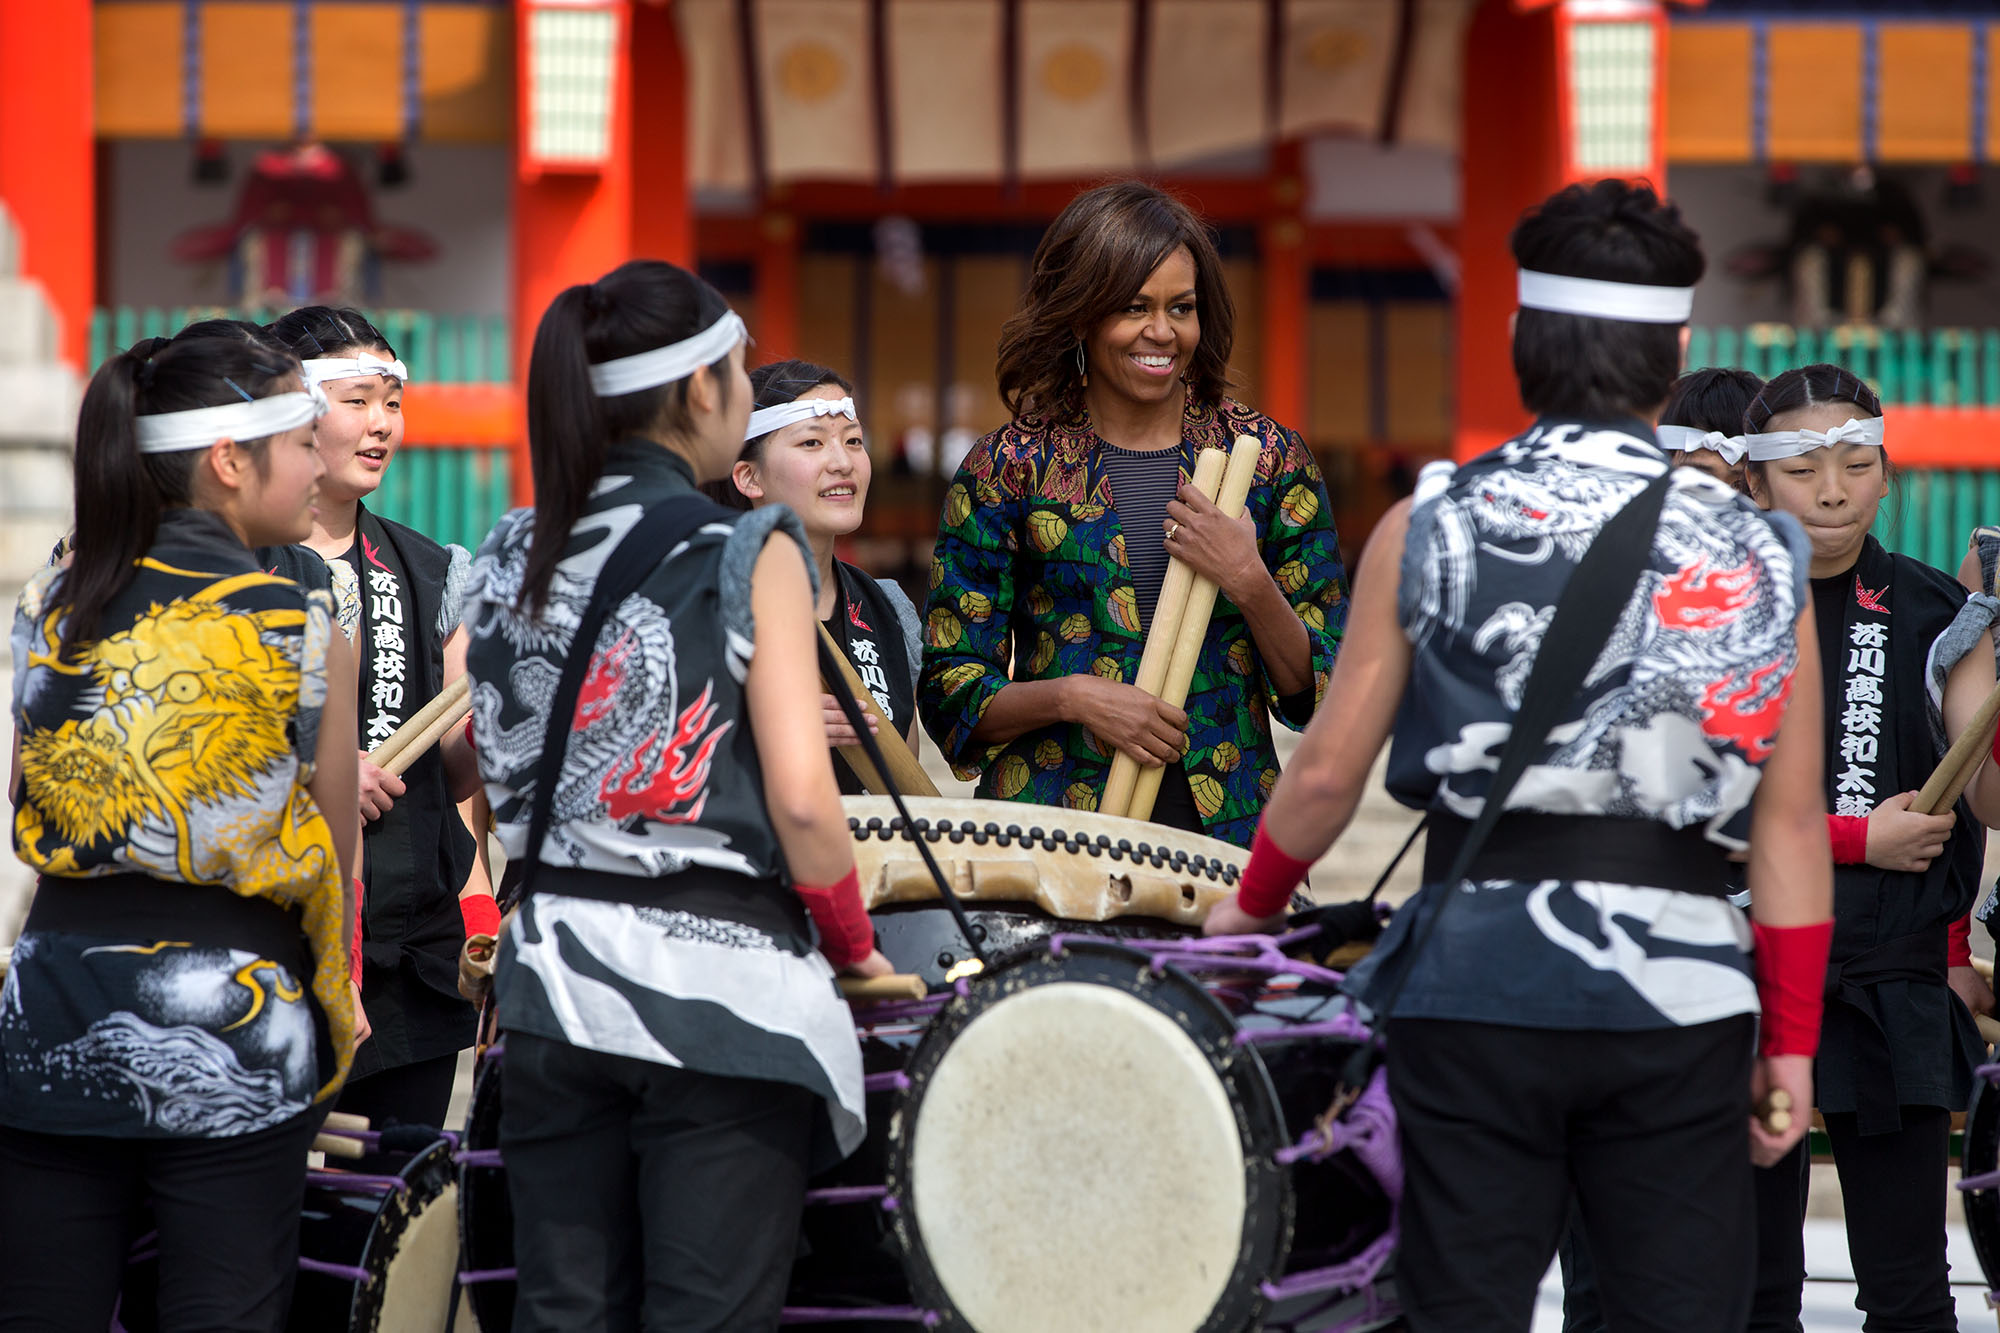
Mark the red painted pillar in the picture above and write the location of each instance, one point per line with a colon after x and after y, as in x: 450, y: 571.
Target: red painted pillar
x: 570, y: 225
x: 1513, y: 155
x: 662, y: 206
x: 777, y: 330
x: 1286, y: 277
x: 48, y: 154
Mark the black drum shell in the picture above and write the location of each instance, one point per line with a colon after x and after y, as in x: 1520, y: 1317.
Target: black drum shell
x: 1979, y: 1156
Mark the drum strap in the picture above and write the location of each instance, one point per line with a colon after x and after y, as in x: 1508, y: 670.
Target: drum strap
x: 659, y: 530
x: 1599, y: 590
x: 835, y: 680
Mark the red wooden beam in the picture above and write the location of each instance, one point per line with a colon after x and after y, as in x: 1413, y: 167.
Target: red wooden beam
x: 48, y: 154
x: 448, y: 415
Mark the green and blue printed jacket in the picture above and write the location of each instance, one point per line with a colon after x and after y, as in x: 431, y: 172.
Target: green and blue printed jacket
x: 1030, y: 570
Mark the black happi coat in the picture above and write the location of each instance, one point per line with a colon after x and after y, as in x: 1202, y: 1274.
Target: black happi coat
x: 1894, y: 1033
x: 415, y: 858
x: 876, y: 634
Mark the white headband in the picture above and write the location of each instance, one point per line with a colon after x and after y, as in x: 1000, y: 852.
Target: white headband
x: 199, y: 427
x: 324, y: 369
x: 1628, y: 301
x: 675, y: 361
x: 767, y: 419
x: 1687, y: 439
x: 1791, y: 443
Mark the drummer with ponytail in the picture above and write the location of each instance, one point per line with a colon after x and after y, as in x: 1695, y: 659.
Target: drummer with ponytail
x: 646, y: 718
x: 179, y: 1011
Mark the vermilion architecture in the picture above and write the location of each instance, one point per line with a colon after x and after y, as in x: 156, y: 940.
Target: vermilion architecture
x: 864, y: 178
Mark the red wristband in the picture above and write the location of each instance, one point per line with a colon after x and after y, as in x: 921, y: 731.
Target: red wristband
x: 354, y: 945
x: 1269, y: 877
x: 481, y: 914
x: 846, y: 936
x: 1849, y: 835
x: 1791, y: 985
x: 470, y: 744
x: 1958, y: 942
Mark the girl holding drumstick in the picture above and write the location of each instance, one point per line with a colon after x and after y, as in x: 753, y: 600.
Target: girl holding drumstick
x: 677, y: 1059
x: 397, y: 595
x: 806, y: 451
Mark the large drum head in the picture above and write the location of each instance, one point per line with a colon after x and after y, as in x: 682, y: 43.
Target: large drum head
x: 1083, y: 1147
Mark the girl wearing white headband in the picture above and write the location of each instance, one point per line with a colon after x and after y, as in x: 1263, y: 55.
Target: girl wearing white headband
x: 397, y: 595
x: 806, y: 451
x: 1898, y: 1047
x: 678, y: 1061
x: 179, y: 1011
x: 1702, y: 424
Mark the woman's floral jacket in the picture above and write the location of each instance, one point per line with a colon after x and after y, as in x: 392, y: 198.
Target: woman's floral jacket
x: 1030, y: 570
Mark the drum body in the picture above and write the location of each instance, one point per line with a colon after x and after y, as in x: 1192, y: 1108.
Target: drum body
x: 1093, y: 1139
x: 486, y: 1214
x: 379, y: 1260
x: 377, y: 1254
x: 1979, y: 1172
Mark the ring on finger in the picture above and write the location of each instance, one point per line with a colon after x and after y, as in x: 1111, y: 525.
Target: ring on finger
x: 1172, y: 528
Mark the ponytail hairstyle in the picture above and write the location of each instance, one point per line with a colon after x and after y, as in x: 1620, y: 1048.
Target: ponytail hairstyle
x: 1711, y: 399
x: 121, y: 493
x: 236, y: 330
x: 1583, y: 366
x: 641, y: 305
x: 321, y: 330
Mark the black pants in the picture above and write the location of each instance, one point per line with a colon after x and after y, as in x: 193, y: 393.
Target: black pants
x: 1502, y: 1126
x: 227, y: 1211
x: 647, y: 1197
x: 414, y: 1094
x: 1781, y: 1254
x: 1894, y: 1187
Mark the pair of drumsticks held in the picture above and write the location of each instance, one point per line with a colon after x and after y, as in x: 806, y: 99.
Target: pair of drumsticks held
x: 1939, y: 793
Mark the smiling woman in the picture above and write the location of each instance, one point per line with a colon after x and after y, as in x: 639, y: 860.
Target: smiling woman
x: 806, y: 451
x: 1058, y: 530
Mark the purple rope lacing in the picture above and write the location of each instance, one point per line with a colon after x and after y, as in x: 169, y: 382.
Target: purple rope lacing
x: 1262, y: 954
x: 829, y: 1314
x: 345, y: 1272
x: 471, y: 1277
x: 479, y: 1157
x: 356, y: 1182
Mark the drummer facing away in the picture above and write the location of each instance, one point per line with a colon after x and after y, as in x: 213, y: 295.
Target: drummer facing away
x: 1059, y: 526
x: 1582, y: 1033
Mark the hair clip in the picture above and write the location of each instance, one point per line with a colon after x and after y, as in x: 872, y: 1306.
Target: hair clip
x: 240, y: 393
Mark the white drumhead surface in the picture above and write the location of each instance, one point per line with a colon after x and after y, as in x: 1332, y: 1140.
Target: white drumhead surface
x: 416, y: 1294
x: 1076, y: 1165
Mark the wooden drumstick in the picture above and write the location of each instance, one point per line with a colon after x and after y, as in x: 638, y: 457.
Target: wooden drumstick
x: 875, y: 990
x: 1948, y: 782
x: 337, y: 1122
x: 447, y: 698
x: 335, y: 1145
x: 910, y: 777
x: 1775, y: 1111
x: 1236, y: 483
x: 1168, y: 611
x: 400, y: 761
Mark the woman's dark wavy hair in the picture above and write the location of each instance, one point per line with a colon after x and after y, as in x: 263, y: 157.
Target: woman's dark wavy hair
x: 1811, y: 386
x: 1711, y: 399
x: 1091, y: 262
x: 638, y: 306
x: 121, y: 493
x: 779, y: 382
x: 1579, y: 365
x: 324, y: 330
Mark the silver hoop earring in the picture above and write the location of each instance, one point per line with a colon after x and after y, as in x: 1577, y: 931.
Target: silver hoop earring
x: 1082, y: 367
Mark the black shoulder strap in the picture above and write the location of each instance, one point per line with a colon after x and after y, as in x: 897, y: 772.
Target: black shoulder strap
x: 658, y: 531
x: 1599, y: 590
